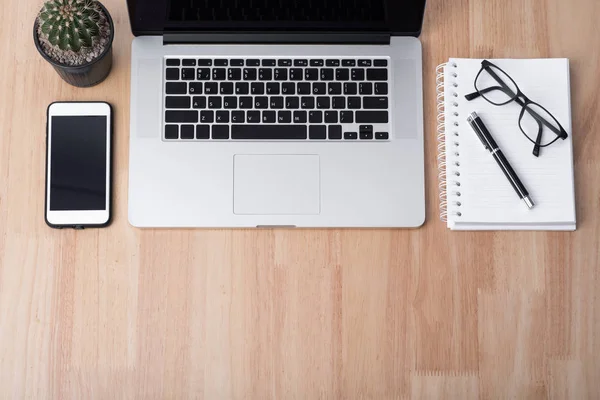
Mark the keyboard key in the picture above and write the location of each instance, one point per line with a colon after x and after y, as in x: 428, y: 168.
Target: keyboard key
x: 273, y: 88
x: 215, y: 102
x: 265, y: 74
x: 331, y: 117
x: 236, y: 63
x: 381, y: 136
x: 365, y: 132
x: 317, y: 63
x: 269, y: 117
x: 284, y: 63
x: 281, y: 74
x: 246, y: 103
x: 238, y: 117
x: 221, y: 63
x: 202, y: 131
x: 350, y: 135
x: 203, y: 74
x: 338, y: 103
x: 269, y: 63
x: 381, y: 88
x: 288, y: 88
x: 219, y: 74
x: 195, y: 87
x: 380, y: 63
x: 323, y: 103
x: 230, y: 102
x: 222, y: 117
x: 234, y: 74
x: 366, y: 135
x: 253, y: 117
x: 226, y: 88
x: 276, y: 102
x: 311, y: 74
x: 307, y: 103
x: 350, y: 88
x: 300, y: 117
x: 332, y: 63
x: 284, y: 117
x: 377, y: 74
x: 304, y: 88
x: 315, y: 117
x: 268, y: 132
x: 207, y: 117
x: 292, y: 103
x: 346, y: 117
x: 375, y: 103
x: 187, y: 132
x: 250, y: 74
x: 172, y: 74
x: 296, y: 74
x: 204, y: 62
x: 317, y: 132
x: 188, y: 74
x: 220, y: 132
x: 242, y: 88
x: 188, y: 62
x: 354, y: 103
x: 358, y: 74
x: 364, y: 63
x: 253, y: 63
x: 365, y: 88
x: 327, y: 74
x: 348, y: 63
x: 171, y: 132
x: 261, y: 102
x: 211, y: 88
x: 176, y: 88
x: 300, y: 63
x: 372, y: 117
x: 199, y: 102
x: 319, y: 88
x: 335, y: 132
x: 334, y: 88
x: 257, y: 88
x: 173, y: 62
x: 181, y: 116
x: 342, y: 74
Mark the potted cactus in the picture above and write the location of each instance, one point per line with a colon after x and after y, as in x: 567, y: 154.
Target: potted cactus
x: 76, y: 36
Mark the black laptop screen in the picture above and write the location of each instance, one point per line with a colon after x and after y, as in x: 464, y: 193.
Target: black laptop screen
x: 394, y: 16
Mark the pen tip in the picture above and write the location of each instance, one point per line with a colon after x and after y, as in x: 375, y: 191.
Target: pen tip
x: 529, y: 202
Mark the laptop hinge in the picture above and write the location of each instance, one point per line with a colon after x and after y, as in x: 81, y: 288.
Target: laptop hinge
x: 275, y: 38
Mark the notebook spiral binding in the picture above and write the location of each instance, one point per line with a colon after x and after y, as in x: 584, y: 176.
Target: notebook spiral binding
x: 443, y: 171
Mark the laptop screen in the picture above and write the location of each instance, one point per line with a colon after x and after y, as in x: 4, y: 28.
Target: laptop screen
x: 393, y: 16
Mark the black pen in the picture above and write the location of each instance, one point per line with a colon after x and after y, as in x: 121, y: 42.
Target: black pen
x: 490, y: 144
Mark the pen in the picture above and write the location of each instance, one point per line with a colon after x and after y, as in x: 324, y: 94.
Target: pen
x: 490, y: 145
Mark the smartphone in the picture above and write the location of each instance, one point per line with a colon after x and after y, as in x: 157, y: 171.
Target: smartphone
x: 78, y: 165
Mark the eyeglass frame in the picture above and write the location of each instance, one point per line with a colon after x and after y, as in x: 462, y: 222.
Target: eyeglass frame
x: 521, y: 99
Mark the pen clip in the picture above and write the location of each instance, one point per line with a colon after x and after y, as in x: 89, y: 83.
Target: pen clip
x: 471, y: 120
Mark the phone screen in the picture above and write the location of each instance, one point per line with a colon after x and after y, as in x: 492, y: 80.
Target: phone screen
x: 78, y: 158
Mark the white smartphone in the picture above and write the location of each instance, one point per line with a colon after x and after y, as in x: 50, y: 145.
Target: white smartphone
x: 78, y: 165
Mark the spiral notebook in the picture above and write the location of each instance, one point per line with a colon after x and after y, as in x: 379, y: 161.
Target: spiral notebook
x: 474, y: 193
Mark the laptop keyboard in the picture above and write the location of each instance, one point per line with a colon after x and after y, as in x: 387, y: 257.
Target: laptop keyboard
x: 277, y: 99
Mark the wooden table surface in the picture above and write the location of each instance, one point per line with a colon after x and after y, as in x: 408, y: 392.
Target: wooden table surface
x: 122, y: 313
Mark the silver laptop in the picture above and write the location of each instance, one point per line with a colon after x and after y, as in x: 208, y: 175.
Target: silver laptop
x: 247, y: 114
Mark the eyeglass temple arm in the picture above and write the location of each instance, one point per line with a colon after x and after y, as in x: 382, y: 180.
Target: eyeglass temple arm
x: 474, y: 95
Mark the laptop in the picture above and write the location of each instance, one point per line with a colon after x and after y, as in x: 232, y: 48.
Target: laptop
x: 268, y: 113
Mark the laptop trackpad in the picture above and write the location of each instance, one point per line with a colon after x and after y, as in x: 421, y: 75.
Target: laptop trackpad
x: 276, y: 185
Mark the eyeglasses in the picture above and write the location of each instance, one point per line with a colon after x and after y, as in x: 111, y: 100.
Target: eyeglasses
x: 499, y: 89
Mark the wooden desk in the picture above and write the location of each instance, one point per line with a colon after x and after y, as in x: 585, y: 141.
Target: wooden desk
x: 121, y: 313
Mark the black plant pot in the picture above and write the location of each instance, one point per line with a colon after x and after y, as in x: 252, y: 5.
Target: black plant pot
x: 88, y: 74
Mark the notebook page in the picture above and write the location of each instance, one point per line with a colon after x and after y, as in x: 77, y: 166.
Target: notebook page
x: 487, y: 198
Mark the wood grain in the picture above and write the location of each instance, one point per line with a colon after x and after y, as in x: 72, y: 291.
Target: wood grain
x: 121, y: 313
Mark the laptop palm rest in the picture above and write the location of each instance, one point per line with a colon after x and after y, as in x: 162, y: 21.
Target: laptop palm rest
x: 276, y: 185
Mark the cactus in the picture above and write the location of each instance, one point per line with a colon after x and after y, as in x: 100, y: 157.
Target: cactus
x: 70, y: 24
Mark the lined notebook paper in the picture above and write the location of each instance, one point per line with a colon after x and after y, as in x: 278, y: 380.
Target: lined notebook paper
x: 474, y: 193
